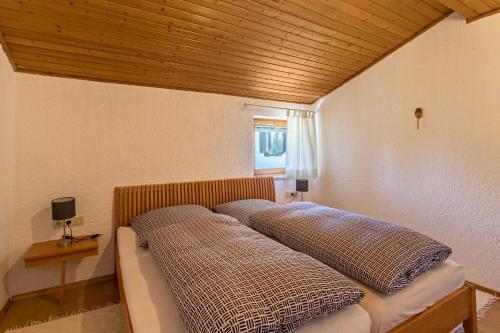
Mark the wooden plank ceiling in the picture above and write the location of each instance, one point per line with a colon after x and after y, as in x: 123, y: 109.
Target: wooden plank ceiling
x: 286, y: 50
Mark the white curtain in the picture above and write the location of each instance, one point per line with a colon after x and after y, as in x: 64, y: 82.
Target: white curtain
x: 301, y: 153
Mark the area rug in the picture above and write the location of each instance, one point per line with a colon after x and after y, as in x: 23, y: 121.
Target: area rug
x: 484, y: 302
x: 106, y: 319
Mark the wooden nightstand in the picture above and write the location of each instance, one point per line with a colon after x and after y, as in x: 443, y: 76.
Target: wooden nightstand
x: 47, y: 253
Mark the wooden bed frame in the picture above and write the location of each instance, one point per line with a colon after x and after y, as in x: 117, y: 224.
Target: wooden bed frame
x: 456, y: 308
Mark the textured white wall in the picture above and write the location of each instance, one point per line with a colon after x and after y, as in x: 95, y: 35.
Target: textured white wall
x: 443, y: 180
x: 81, y: 138
x: 6, y: 169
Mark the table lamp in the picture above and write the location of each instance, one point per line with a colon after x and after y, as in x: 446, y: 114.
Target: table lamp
x: 62, y: 210
x: 301, y: 185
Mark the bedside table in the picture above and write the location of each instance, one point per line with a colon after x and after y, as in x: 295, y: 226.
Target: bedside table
x: 47, y: 253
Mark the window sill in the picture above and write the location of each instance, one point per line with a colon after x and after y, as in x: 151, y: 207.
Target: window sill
x: 276, y: 176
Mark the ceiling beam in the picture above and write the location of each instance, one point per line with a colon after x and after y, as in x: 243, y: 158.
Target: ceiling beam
x: 493, y: 12
x: 460, y: 8
x: 7, y: 52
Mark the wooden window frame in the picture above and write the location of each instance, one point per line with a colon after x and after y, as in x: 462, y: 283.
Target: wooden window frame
x: 274, y: 123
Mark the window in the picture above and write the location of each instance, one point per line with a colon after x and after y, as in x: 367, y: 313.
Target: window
x: 270, y: 146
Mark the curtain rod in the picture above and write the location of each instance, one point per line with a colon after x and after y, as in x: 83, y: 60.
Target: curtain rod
x: 276, y: 107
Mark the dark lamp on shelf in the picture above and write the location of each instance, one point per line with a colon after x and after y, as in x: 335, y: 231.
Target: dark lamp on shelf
x: 301, y: 185
x: 64, y: 209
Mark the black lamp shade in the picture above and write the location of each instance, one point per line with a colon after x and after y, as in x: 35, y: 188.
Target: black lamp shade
x: 301, y: 185
x: 63, y: 208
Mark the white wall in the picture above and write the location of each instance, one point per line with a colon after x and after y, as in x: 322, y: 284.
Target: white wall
x: 81, y: 138
x: 443, y: 180
x: 6, y: 170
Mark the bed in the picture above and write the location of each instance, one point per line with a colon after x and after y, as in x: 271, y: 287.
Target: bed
x: 152, y: 307
x: 449, y: 309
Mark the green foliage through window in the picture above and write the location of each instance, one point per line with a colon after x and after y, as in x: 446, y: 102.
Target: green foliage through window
x: 272, y: 140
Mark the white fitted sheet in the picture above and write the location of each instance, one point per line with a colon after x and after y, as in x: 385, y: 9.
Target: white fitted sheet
x: 387, y: 311
x: 152, y: 305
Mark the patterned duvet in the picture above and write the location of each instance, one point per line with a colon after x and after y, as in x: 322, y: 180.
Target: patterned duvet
x: 227, y: 277
x: 385, y: 256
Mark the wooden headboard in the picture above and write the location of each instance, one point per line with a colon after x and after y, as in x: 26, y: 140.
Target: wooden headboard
x: 131, y: 201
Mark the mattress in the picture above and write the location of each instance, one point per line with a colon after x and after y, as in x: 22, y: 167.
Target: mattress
x: 387, y: 311
x: 152, y: 306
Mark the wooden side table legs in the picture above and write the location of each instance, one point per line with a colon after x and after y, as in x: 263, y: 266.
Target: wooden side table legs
x: 50, y: 253
x: 63, y: 281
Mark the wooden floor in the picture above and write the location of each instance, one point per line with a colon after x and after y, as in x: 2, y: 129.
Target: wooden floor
x: 42, y: 307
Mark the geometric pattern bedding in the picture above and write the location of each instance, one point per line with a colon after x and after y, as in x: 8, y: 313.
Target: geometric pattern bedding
x: 242, y: 209
x: 227, y: 277
x: 385, y: 256
x: 145, y: 223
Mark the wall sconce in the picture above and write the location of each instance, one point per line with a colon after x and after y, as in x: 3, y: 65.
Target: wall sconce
x: 419, y: 113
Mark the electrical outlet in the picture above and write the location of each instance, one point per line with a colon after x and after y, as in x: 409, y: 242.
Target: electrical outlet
x: 75, y: 222
x: 57, y: 224
x: 291, y: 194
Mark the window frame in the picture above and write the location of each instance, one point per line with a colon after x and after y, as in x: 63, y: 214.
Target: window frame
x: 272, y: 123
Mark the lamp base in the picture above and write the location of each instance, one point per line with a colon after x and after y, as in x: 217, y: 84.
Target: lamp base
x: 64, y: 242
